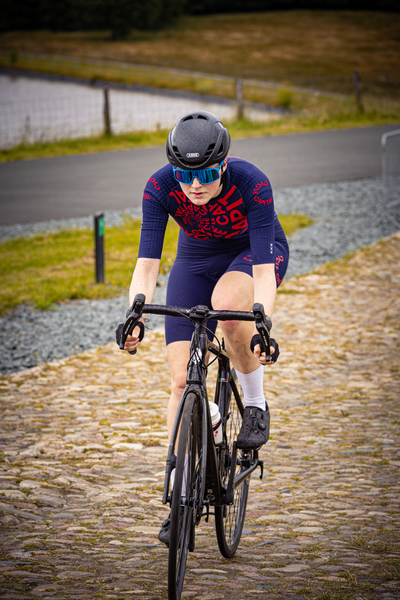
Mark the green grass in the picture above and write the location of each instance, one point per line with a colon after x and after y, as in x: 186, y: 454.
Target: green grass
x: 56, y: 267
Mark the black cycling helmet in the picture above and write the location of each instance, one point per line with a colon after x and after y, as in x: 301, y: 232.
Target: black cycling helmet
x: 198, y: 141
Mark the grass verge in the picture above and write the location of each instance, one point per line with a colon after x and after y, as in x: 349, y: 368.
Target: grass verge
x: 55, y: 267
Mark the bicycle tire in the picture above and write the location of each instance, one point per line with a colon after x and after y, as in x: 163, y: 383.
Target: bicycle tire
x: 183, y: 507
x: 229, y: 519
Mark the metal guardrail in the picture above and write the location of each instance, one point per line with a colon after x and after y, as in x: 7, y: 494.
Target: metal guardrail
x: 391, y: 157
x: 390, y: 144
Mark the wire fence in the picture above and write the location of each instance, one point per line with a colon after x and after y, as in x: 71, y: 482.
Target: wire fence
x: 36, y: 110
x: 40, y: 110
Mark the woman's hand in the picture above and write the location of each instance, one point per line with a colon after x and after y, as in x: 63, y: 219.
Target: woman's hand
x: 133, y: 341
x: 273, y: 350
x: 261, y: 357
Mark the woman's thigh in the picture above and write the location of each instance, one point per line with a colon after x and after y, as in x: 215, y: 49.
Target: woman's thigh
x: 191, y: 282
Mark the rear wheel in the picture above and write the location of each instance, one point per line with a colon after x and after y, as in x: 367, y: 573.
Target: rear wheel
x: 229, y: 519
x: 185, y: 494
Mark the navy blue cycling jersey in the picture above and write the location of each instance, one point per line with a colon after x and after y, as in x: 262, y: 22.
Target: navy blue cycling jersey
x: 243, y: 214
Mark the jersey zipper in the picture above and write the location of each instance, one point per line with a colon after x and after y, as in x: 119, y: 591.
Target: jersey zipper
x: 209, y: 220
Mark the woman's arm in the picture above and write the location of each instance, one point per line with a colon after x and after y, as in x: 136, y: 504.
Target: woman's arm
x: 265, y: 286
x: 265, y: 294
x: 144, y: 281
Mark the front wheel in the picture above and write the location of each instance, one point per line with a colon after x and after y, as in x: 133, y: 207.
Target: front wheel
x: 185, y: 494
x: 229, y: 519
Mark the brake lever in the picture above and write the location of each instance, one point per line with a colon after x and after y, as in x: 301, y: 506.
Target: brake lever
x: 263, y: 326
x: 132, y: 317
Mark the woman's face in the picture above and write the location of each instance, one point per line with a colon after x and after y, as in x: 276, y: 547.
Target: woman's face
x: 200, y: 194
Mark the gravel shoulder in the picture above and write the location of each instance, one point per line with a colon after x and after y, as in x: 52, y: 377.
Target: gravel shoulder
x: 346, y: 215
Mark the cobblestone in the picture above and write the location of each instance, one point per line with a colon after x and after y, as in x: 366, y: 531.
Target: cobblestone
x: 83, y: 445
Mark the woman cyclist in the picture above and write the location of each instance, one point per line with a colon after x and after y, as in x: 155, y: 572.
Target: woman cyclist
x: 232, y: 252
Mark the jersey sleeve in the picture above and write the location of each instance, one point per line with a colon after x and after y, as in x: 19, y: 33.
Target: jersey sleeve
x: 154, y: 223
x: 261, y: 219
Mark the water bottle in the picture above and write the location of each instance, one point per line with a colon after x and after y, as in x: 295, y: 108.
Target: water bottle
x: 216, y: 423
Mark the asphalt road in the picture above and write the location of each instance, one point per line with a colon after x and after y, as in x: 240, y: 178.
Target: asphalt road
x: 76, y: 186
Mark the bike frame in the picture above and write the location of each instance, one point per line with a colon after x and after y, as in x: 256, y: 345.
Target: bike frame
x: 212, y: 492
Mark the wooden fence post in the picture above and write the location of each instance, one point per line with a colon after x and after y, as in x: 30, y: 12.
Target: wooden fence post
x: 357, y: 90
x: 107, y: 118
x: 239, y: 98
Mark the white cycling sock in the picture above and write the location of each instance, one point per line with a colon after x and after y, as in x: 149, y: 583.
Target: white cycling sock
x: 252, y: 386
x: 184, y: 476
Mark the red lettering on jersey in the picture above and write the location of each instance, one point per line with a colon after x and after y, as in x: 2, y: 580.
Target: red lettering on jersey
x: 155, y: 182
x: 228, y: 195
x: 217, y: 210
x: 234, y: 204
x: 241, y: 225
x: 219, y: 232
x: 146, y: 196
x: 220, y: 222
x: 263, y: 200
x: 236, y: 215
x: 259, y: 185
x: 174, y: 195
x: 181, y: 195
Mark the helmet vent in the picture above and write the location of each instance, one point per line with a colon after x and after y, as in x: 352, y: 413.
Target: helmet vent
x: 178, y: 154
x: 202, y: 117
x: 209, y: 150
x: 188, y: 118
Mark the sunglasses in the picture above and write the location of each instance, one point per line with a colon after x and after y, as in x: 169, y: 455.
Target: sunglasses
x: 205, y: 176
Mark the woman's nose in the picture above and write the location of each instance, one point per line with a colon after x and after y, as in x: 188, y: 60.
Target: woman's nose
x: 196, y: 182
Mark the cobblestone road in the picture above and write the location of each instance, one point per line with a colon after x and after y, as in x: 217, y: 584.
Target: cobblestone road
x: 84, y: 443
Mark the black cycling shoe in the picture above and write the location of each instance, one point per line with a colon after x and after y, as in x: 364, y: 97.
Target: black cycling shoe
x: 255, y: 428
x: 163, y: 536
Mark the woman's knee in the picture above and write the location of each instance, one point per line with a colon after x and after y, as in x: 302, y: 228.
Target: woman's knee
x: 234, y: 291
x: 178, y: 385
x: 178, y: 356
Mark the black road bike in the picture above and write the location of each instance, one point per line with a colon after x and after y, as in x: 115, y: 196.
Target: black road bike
x: 207, y: 475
